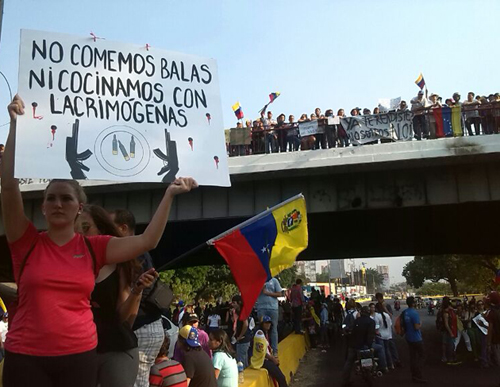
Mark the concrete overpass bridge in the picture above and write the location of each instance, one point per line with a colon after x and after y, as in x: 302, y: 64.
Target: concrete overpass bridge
x: 406, y: 198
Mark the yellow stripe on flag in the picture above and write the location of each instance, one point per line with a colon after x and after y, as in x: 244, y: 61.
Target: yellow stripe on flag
x: 292, y: 236
x: 236, y: 106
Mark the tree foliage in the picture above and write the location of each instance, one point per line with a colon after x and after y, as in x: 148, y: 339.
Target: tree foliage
x: 200, y: 283
x: 288, y: 277
x: 322, y: 277
x: 465, y: 271
x: 374, y: 281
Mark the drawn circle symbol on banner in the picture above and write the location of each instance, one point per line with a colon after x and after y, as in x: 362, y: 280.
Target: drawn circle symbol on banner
x: 122, y: 151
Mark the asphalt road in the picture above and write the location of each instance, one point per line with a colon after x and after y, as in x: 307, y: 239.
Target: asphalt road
x: 319, y: 369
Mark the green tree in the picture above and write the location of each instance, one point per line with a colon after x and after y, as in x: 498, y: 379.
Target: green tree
x: 374, y: 281
x: 322, y: 277
x: 460, y: 271
x: 288, y: 277
x: 200, y: 282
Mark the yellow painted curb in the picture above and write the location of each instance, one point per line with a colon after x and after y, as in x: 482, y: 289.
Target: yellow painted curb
x: 290, y: 351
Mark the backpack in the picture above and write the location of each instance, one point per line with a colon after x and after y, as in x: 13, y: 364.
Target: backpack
x: 399, y: 325
x: 349, y: 321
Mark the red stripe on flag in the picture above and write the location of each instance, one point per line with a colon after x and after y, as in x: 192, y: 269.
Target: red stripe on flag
x: 245, y: 266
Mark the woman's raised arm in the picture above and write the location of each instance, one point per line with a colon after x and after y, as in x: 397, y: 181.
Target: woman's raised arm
x: 15, y: 221
x: 127, y: 248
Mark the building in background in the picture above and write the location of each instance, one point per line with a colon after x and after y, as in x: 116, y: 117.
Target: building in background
x: 301, y: 268
x: 384, y: 270
x: 310, y: 270
x: 337, y: 269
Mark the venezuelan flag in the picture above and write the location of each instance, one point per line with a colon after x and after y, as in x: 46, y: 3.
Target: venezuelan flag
x: 263, y: 246
x: 420, y: 81
x: 273, y: 96
x: 238, y: 112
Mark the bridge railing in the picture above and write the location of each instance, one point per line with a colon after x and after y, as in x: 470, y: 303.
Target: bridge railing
x: 429, y: 123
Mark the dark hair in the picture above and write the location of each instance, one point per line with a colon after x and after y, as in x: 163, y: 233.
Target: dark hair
x: 77, y: 188
x: 239, y: 300
x: 445, y: 303
x: 185, y: 346
x: 379, y: 295
x: 410, y: 301
x: 123, y: 216
x: 164, y: 347
x: 298, y: 281
x: 380, y: 309
x: 132, y: 269
x: 225, y: 346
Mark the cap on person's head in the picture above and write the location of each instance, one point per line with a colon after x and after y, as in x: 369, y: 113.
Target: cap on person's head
x: 494, y: 298
x: 358, y: 109
x: 420, y: 92
x: 180, y: 303
x: 456, y: 93
x: 191, y: 317
x: 190, y: 334
x: 266, y: 319
x: 434, y: 95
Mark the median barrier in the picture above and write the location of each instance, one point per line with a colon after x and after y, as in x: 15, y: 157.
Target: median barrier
x: 290, y: 351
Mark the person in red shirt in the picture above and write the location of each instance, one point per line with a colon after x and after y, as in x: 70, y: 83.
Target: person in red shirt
x: 55, y: 270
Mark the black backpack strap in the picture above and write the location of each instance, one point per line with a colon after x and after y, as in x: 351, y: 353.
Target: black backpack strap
x: 23, y: 263
x: 92, y: 254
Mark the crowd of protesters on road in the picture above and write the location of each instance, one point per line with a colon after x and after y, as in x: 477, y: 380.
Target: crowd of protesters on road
x: 106, y: 327
x: 479, y: 114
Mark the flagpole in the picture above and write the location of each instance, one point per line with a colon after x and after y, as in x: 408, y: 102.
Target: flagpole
x: 210, y: 242
x: 182, y: 256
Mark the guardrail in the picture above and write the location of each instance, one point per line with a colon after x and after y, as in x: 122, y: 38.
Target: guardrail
x: 473, y: 120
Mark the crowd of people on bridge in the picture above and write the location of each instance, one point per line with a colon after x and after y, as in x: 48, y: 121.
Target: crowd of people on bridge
x: 478, y: 115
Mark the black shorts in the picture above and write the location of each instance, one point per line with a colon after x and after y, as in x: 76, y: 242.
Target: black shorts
x: 78, y: 370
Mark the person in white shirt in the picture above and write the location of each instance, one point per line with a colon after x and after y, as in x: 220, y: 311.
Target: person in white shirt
x: 418, y: 106
x: 213, y: 320
x: 384, y: 336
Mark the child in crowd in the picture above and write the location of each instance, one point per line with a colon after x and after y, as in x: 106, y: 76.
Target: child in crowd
x: 226, y: 369
x: 167, y: 372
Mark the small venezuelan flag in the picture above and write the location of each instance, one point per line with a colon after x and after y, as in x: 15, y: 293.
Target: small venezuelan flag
x: 420, y: 82
x: 273, y: 96
x: 238, y: 112
x: 263, y: 246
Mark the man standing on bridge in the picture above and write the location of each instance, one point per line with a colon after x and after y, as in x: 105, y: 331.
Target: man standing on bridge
x: 413, y: 335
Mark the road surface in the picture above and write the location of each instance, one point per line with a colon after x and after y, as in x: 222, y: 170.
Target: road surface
x: 319, y: 369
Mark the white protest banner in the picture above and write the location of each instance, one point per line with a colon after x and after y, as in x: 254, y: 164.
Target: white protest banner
x: 481, y: 323
x: 309, y: 128
x: 387, y: 104
x: 97, y: 109
x: 396, y: 126
x: 334, y: 120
